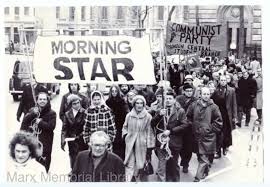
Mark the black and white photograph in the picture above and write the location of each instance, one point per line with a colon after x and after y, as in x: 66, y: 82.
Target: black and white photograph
x: 139, y: 93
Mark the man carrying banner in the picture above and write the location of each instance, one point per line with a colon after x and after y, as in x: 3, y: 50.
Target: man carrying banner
x: 170, y: 125
x: 41, y: 121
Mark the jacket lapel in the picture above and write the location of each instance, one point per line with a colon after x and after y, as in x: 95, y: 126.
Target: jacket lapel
x: 227, y: 91
x: 71, y: 116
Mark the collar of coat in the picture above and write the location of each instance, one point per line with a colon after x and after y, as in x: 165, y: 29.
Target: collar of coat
x: 175, y: 108
x: 102, y: 106
x: 70, y: 112
x: 104, y: 157
x: 141, y: 115
x: 210, y: 102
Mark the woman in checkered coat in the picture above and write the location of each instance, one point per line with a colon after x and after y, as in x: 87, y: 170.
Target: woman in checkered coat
x: 98, y: 118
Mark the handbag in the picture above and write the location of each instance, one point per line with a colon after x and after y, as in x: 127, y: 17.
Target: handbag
x: 147, y: 168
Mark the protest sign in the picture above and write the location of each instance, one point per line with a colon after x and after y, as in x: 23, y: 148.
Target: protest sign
x: 206, y: 40
x: 93, y: 59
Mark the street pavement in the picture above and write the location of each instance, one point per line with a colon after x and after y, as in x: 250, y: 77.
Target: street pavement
x: 241, y: 164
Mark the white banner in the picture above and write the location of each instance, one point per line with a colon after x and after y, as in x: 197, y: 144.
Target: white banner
x: 93, y: 59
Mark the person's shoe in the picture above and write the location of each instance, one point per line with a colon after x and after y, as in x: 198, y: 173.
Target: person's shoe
x: 239, y: 125
x: 185, y: 169
x: 246, y: 124
x: 217, y: 155
x: 225, y: 151
x: 196, y: 179
x: 205, y: 175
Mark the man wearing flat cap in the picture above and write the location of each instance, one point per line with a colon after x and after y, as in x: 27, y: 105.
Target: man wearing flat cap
x: 185, y: 101
x: 188, y: 80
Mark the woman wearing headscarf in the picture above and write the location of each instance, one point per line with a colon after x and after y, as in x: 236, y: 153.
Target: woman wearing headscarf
x: 139, y: 138
x: 98, y: 118
x: 119, y: 108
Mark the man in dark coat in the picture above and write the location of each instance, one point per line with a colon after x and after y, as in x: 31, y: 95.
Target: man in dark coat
x: 224, y: 96
x: 247, y: 88
x: 185, y: 101
x: 173, y: 129
x: 206, y: 122
x: 41, y: 121
x: 176, y: 72
x: 11, y: 47
x: 98, y: 164
x: 73, y: 128
x: 27, y: 99
x: 73, y: 89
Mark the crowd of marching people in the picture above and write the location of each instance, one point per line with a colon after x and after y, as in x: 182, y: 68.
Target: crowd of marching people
x: 114, y: 138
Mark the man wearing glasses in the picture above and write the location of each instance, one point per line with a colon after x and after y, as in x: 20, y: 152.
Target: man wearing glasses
x: 98, y: 164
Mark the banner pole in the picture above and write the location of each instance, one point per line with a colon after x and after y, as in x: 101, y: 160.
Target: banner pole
x: 30, y: 67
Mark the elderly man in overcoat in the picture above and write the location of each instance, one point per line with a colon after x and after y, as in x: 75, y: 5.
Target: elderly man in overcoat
x: 206, y: 120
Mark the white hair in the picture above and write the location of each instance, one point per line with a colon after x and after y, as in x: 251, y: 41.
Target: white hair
x: 99, y: 134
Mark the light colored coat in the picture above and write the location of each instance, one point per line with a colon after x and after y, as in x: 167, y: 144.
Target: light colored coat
x: 139, y: 134
x: 259, y: 97
x: 17, y: 172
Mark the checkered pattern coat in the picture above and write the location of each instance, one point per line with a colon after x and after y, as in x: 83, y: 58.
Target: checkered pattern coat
x: 97, y: 119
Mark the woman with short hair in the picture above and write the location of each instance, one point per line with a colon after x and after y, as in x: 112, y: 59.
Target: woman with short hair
x: 24, y: 150
x: 139, y: 138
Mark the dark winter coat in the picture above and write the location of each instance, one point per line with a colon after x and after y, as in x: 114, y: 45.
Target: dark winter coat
x: 46, y: 126
x: 27, y: 99
x: 184, y: 101
x: 206, y: 123
x: 177, y: 124
x: 247, y: 89
x: 119, y: 109
x: 64, y: 107
x: 73, y: 127
x: 110, y: 168
x: 231, y: 104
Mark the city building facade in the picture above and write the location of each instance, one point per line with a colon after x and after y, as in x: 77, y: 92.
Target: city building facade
x: 133, y: 21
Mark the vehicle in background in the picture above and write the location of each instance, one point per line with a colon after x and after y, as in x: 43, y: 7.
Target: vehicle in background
x: 22, y: 76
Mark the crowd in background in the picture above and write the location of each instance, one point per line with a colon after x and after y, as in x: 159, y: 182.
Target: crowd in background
x: 195, y: 111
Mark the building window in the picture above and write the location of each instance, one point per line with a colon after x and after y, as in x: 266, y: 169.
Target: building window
x: 104, y: 13
x: 26, y: 11
x: 185, y: 13
x: 57, y: 13
x: 83, y: 13
x: 104, y: 33
x: 134, y: 12
x: 91, y: 13
x: 6, y: 10
x: 71, y: 13
x: 160, y: 12
x: 17, y: 11
x: 120, y: 13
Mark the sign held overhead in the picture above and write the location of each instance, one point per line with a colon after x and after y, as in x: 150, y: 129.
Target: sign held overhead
x: 205, y: 40
x: 93, y: 59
